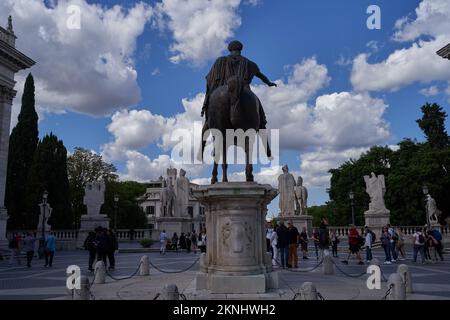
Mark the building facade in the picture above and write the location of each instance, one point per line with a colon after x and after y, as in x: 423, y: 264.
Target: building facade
x: 11, y: 61
x: 157, y: 218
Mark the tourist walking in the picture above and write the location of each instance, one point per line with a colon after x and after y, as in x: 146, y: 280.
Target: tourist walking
x: 385, y: 244
x: 437, y: 243
x: 163, y: 241
x: 269, y: 232
x: 102, y: 243
x: 315, y: 237
x: 369, y: 240
x: 112, y: 246
x: 304, y: 243
x: 182, y: 241
x: 175, y: 241
x: 202, y: 241
x: 334, y: 244
x: 400, y: 246
x: 28, y: 246
x: 194, y: 241
x: 293, y: 245
x: 393, y: 242
x: 355, y: 242
x: 188, y: 242
x: 50, y: 248
x: 283, y: 244
x: 324, y: 236
x: 419, y: 243
x: 90, y: 244
x: 15, y: 245
x: 274, y: 245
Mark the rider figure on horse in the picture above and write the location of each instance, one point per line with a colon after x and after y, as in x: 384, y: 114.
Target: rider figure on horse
x: 237, y: 72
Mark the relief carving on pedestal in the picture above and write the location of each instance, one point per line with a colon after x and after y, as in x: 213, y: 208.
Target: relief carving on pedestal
x: 237, y: 237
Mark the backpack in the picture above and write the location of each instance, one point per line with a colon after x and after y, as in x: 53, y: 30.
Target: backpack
x: 361, y: 241
x: 421, y: 238
x: 374, y: 236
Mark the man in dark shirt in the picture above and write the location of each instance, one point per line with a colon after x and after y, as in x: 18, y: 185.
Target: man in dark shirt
x: 283, y: 243
x: 293, y: 245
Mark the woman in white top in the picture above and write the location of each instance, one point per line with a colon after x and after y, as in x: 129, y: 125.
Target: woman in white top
x: 273, y: 243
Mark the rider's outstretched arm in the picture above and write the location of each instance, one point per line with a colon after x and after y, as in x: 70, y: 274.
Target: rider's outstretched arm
x: 265, y: 79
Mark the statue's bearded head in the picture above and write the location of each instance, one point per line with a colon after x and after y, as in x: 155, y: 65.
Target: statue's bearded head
x: 182, y: 172
x: 285, y: 169
x: 235, y: 46
x: 300, y: 181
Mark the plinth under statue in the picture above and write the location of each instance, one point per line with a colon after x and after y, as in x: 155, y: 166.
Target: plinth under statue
x: 236, y: 260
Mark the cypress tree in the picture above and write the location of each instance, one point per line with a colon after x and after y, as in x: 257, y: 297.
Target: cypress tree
x: 22, y: 145
x: 49, y: 172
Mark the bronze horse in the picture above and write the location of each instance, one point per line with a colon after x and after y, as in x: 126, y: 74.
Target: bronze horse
x: 230, y: 104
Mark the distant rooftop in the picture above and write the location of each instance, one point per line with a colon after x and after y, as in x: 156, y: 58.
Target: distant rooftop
x: 445, y: 52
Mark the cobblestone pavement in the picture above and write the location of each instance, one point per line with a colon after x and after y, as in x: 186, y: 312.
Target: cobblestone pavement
x: 431, y: 281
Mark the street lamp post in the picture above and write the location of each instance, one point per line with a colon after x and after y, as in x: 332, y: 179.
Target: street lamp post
x: 44, y: 209
x: 116, y: 202
x: 425, y: 192
x: 351, y: 195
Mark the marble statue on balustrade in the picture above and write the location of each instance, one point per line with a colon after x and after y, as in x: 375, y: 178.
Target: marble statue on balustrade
x: 182, y: 190
x: 44, y: 216
x: 94, y: 197
x: 376, y: 189
x: 301, y: 197
x: 286, y: 188
x: 433, y: 212
x: 167, y: 199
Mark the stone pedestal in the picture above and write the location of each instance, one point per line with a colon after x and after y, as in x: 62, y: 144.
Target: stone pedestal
x: 236, y: 260
x: 174, y: 224
x: 89, y: 223
x: 3, y: 222
x: 376, y: 220
x: 300, y: 222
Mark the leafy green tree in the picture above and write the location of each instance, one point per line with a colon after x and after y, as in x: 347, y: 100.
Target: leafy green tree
x: 433, y: 125
x: 22, y: 145
x: 129, y: 214
x: 85, y: 166
x: 49, y: 172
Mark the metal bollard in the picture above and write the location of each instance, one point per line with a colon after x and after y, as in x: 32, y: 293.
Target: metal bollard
x: 398, y: 292
x: 404, y: 272
x: 144, y: 269
x: 84, y: 292
x: 100, y: 273
x: 308, y: 291
x: 170, y: 292
x: 327, y: 264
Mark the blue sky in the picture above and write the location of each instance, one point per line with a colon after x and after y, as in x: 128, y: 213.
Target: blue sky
x: 342, y: 87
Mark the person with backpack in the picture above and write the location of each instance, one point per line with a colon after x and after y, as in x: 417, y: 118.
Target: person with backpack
x: 355, y: 242
x: 419, y: 245
x: 50, y: 248
x: 90, y: 244
x: 334, y: 244
x: 393, y: 242
x: 112, y: 246
x: 437, y: 242
x: 293, y: 245
x: 28, y: 246
x: 369, y: 240
x: 15, y: 245
x: 202, y: 241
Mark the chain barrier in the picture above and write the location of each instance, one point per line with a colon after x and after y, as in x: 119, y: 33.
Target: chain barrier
x: 177, y: 271
x: 388, y: 292
x: 157, y: 296
x: 320, y: 296
x: 300, y: 270
x: 348, y: 274
x: 127, y: 277
x: 180, y: 295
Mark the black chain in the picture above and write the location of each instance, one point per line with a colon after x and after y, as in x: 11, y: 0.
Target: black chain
x: 127, y: 277
x: 348, y: 274
x: 177, y: 271
x: 301, y: 270
x: 388, y: 292
x: 157, y: 296
x: 319, y: 295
